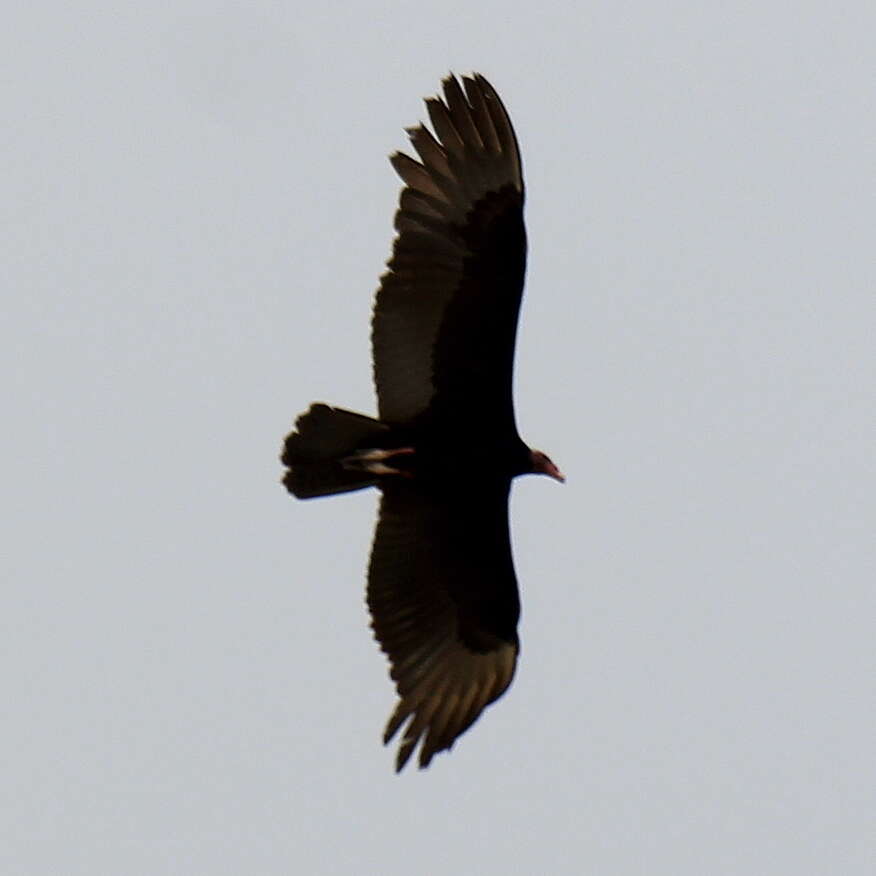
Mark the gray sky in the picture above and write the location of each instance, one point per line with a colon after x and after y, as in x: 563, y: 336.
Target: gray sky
x: 197, y: 207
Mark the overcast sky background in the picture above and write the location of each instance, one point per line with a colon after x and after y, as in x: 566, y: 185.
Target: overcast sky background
x: 197, y: 206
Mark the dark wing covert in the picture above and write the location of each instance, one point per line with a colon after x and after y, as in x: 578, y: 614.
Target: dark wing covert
x: 444, y: 606
x: 445, y: 316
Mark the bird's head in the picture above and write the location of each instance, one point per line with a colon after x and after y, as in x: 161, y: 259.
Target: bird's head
x: 542, y: 464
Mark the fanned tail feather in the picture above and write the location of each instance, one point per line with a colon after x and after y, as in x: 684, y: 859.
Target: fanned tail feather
x: 315, y: 451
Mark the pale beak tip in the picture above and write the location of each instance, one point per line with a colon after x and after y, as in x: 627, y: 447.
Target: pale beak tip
x: 556, y: 474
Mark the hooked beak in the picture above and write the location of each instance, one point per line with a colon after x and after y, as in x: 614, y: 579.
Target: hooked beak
x: 543, y: 464
x: 553, y: 472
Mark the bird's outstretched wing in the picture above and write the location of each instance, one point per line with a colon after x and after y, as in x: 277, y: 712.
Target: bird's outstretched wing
x: 445, y: 316
x: 444, y: 606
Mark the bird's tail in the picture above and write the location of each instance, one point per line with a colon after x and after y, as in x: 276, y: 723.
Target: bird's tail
x: 315, y: 452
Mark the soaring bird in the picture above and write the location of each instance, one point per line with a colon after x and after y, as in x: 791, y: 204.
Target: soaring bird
x: 444, y: 449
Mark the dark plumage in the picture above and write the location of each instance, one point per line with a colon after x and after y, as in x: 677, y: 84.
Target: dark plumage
x: 441, y: 585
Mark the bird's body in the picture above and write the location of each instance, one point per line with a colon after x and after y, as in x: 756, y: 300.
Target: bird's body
x: 441, y: 585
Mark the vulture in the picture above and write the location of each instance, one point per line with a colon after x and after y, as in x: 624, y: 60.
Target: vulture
x: 444, y: 448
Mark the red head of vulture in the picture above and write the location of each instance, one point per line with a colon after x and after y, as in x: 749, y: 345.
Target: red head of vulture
x: 444, y: 449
